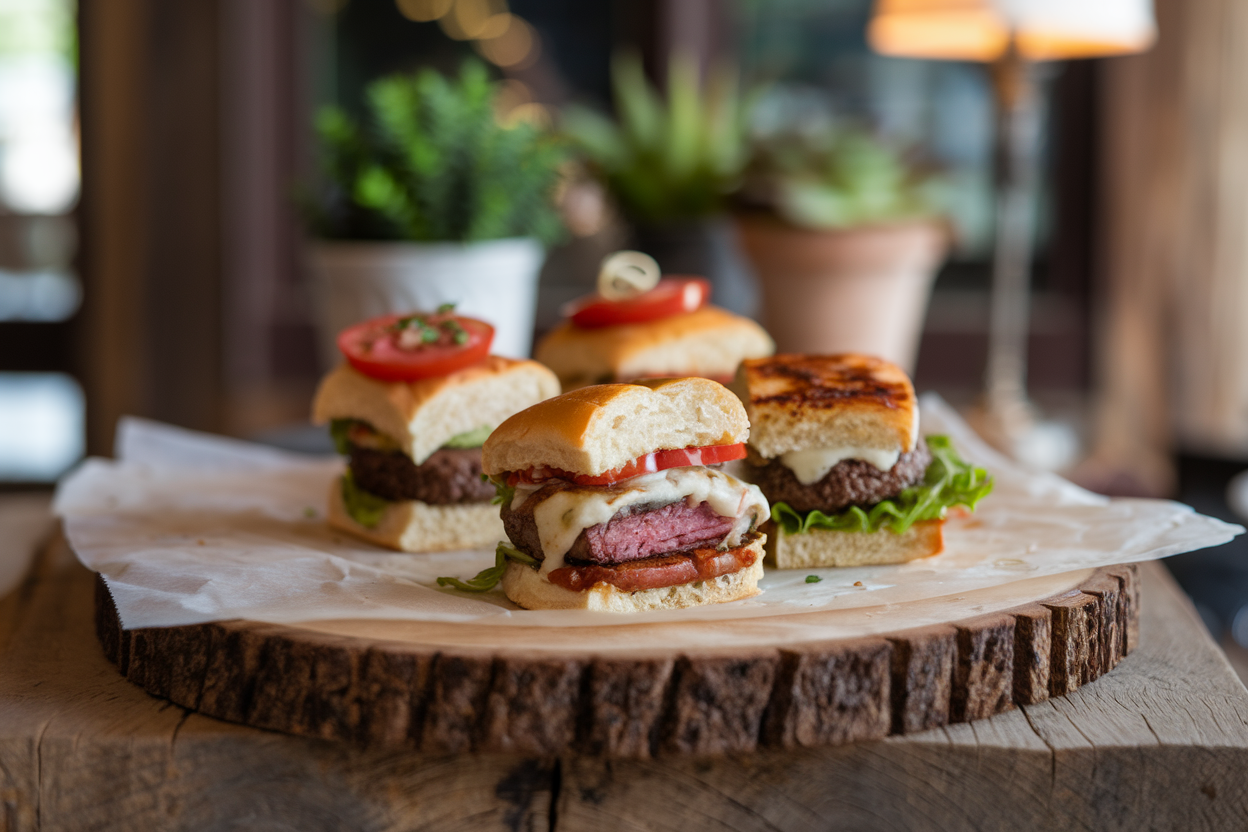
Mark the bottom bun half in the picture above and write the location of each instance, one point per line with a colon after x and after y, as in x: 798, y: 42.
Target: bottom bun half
x: 413, y: 526
x: 525, y: 586
x: 823, y: 547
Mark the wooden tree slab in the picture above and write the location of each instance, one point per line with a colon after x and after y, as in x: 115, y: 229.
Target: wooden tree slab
x: 398, y: 693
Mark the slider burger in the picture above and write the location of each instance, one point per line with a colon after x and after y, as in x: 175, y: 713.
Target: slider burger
x: 609, y: 504
x: 411, y: 407
x: 835, y: 447
x: 638, y: 326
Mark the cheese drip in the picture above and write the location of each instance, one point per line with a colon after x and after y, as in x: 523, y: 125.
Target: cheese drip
x: 813, y: 465
x: 565, y: 514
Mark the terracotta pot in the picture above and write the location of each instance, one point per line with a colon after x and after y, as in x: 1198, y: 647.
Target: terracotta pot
x: 858, y: 290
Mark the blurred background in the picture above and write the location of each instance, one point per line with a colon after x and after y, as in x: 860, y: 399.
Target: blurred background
x: 172, y: 174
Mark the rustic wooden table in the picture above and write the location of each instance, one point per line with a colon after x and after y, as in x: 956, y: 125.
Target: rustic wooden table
x: 1161, y: 742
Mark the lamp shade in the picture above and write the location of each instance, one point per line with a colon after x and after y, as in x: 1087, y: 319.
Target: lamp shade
x: 980, y: 30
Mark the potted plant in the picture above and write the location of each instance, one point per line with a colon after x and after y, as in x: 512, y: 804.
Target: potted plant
x: 845, y: 237
x: 670, y: 163
x: 431, y: 201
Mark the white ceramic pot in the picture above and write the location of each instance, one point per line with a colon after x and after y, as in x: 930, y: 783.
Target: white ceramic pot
x: 495, y: 281
x: 858, y: 290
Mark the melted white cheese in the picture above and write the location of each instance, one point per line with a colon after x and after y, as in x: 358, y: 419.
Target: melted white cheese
x: 813, y: 465
x: 564, y: 515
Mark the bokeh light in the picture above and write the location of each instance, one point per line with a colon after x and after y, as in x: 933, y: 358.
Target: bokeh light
x: 517, y: 48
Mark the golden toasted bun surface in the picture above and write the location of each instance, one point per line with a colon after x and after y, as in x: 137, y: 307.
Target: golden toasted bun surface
x: 422, y: 415
x: 803, y: 402
x: 525, y: 587
x: 413, y: 526
x: 823, y: 547
x: 709, y: 342
x: 597, y: 429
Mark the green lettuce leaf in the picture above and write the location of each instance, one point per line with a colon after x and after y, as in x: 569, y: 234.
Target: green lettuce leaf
x: 474, y: 438
x: 949, y: 481
x: 488, y: 578
x: 338, y: 429
x: 503, y: 493
x: 364, y: 508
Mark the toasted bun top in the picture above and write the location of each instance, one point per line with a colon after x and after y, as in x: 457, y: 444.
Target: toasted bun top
x: 708, y: 342
x: 422, y: 415
x: 804, y: 402
x: 596, y: 429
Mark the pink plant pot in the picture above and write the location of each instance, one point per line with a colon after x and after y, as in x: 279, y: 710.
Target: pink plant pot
x: 857, y: 290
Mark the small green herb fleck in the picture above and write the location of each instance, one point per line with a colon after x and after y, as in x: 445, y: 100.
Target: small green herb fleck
x: 813, y: 579
x: 309, y: 512
x: 457, y: 332
x: 446, y: 308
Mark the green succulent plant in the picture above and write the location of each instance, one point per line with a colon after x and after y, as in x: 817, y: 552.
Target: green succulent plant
x: 840, y: 179
x: 433, y: 163
x: 665, y: 159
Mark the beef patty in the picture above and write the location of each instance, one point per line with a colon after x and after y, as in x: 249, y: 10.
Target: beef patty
x: 634, y: 533
x: 851, y: 482
x: 449, y: 476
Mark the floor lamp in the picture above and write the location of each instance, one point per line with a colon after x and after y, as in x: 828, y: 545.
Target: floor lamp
x: 1011, y: 36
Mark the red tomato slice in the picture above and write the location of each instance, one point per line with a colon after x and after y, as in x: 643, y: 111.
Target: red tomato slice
x: 373, y: 347
x: 645, y: 464
x: 673, y: 296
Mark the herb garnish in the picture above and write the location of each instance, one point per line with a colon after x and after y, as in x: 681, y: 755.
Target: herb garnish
x: 432, y: 329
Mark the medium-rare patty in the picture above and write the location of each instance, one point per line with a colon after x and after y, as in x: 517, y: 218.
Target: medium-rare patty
x: 634, y: 533
x: 449, y: 476
x: 851, y: 482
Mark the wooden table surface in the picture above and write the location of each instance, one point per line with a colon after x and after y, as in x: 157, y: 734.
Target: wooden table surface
x: 1161, y: 742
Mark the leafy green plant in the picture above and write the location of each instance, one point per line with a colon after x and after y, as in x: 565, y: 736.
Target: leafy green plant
x: 433, y: 163
x: 664, y: 160
x: 839, y: 179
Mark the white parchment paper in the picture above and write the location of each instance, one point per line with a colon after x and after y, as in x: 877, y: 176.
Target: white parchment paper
x: 188, y: 528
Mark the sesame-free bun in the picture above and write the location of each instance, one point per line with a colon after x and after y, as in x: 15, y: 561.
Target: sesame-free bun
x: 825, y: 547
x: 804, y: 402
x: 525, y: 586
x: 422, y: 415
x: 413, y: 526
x: 596, y: 429
x: 709, y: 342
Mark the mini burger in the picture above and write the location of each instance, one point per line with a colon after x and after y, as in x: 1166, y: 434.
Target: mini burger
x: 638, y: 326
x: 610, y: 501
x: 835, y: 447
x: 410, y: 408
